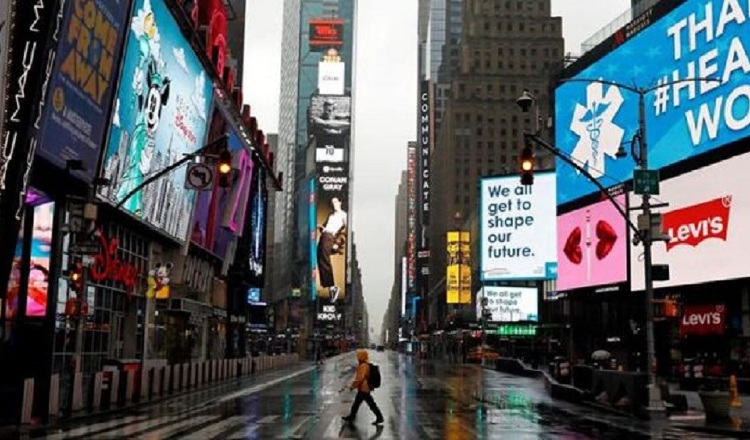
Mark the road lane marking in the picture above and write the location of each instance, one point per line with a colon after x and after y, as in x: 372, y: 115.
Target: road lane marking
x: 267, y: 420
x: 244, y: 434
x: 140, y: 427
x: 91, y: 429
x: 217, y: 429
x: 263, y: 386
x: 292, y: 432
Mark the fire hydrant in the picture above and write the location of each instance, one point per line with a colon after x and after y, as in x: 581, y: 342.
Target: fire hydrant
x: 734, y: 395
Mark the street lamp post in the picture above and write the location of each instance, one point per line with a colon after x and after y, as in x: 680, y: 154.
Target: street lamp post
x: 655, y: 401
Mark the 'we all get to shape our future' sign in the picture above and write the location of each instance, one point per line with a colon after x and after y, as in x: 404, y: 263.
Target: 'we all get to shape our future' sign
x: 518, y: 229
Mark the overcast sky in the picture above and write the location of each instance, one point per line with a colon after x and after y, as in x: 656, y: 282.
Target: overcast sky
x: 385, y: 112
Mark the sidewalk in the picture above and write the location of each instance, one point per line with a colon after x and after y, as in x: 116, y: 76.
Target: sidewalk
x: 211, y: 391
x: 737, y: 426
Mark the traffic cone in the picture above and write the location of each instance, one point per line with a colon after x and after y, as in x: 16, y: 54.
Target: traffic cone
x: 734, y: 395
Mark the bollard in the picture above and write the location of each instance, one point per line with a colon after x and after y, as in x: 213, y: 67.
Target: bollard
x: 96, y: 401
x: 156, y: 386
x: 129, y: 384
x: 144, y: 384
x: 167, y: 380
x: 184, y: 375
x: 194, y: 374
x: 53, y: 409
x: 734, y: 394
x: 28, y: 401
x: 77, y: 392
x: 114, y: 388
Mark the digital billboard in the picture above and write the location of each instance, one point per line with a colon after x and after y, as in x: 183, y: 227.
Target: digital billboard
x: 330, y: 127
x: 518, y: 228
x: 75, y: 116
x: 5, y: 14
x: 509, y: 304
x: 707, y: 218
x: 331, y: 78
x: 258, y: 215
x: 592, y: 246
x: 161, y: 113
x: 411, y: 218
x: 326, y: 34
x: 331, y: 230
x: 698, y: 39
x: 458, y: 272
x: 220, y: 213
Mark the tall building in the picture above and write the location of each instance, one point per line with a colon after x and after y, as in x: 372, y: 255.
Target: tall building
x: 313, y: 31
x: 505, y: 47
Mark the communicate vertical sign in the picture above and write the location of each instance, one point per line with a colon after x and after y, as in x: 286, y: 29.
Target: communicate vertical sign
x: 425, y: 130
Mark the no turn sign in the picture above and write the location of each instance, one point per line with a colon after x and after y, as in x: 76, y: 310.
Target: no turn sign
x: 199, y: 177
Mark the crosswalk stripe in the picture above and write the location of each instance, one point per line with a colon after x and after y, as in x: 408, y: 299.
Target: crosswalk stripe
x: 140, y: 427
x: 217, y: 429
x: 292, y: 431
x: 334, y: 428
x: 267, y: 420
x: 264, y: 385
x: 90, y: 429
x: 177, y: 427
x: 243, y: 434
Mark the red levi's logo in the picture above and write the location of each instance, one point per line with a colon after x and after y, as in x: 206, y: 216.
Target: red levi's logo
x: 703, y: 320
x: 694, y: 224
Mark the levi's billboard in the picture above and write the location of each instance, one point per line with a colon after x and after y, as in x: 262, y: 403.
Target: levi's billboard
x: 698, y: 39
x: 703, y: 320
x: 592, y: 247
x: 707, y: 218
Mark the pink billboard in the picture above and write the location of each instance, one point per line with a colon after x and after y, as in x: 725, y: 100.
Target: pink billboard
x: 592, y: 246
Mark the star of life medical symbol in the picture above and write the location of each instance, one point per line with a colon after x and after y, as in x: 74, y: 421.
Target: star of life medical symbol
x: 598, y: 134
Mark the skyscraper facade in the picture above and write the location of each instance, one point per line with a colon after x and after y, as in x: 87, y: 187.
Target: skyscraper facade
x: 505, y: 47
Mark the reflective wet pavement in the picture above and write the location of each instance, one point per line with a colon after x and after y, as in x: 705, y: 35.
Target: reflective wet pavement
x: 419, y: 399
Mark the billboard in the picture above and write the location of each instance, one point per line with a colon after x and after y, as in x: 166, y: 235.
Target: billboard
x: 331, y: 230
x: 707, y: 218
x: 331, y: 78
x: 458, y: 273
x: 82, y: 82
x: 592, y: 246
x: 330, y: 127
x: 411, y: 218
x: 518, y: 228
x: 703, y: 319
x: 698, y: 39
x: 5, y: 14
x: 425, y: 147
x: 258, y: 212
x: 509, y: 304
x: 326, y: 34
x: 220, y: 213
x: 161, y: 113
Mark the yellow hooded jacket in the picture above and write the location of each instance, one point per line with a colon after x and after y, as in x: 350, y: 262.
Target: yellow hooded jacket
x: 363, y: 372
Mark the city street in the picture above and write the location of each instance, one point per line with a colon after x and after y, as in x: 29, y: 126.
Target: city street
x: 419, y: 399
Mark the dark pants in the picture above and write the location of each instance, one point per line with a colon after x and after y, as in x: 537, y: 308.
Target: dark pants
x: 367, y: 397
x: 325, y: 269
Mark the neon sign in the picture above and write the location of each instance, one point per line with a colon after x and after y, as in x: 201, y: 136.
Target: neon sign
x: 108, y: 267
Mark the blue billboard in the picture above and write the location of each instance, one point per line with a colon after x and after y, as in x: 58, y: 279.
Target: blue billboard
x: 698, y: 39
x: 161, y: 113
x: 82, y: 82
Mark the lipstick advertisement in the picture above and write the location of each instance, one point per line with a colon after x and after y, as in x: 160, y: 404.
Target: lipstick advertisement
x: 592, y: 246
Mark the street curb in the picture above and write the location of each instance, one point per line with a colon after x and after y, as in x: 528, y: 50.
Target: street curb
x: 61, y: 421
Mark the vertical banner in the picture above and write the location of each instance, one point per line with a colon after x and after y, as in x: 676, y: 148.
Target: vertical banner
x: 458, y: 274
x: 411, y: 218
x: 257, y: 227
x: 332, y: 229
x: 82, y: 82
x: 425, y: 148
x: 5, y: 19
x: 30, y: 30
x: 464, y: 291
x: 312, y: 219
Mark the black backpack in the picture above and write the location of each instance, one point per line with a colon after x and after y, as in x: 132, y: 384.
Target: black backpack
x: 373, y: 379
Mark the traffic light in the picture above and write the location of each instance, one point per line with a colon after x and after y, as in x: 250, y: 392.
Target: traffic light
x: 527, y: 166
x: 75, y: 277
x: 225, y: 168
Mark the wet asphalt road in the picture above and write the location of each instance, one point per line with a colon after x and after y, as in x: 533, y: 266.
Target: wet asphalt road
x: 419, y: 399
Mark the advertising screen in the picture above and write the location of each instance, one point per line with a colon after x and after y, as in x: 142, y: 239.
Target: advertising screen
x: 707, y: 218
x: 411, y: 218
x: 326, y: 34
x: 257, y: 227
x: 161, y: 113
x: 458, y: 273
x: 329, y: 127
x: 509, y: 304
x: 5, y: 10
x: 592, y: 246
x: 220, y: 212
x: 331, y: 78
x: 82, y: 82
x: 39, y: 265
x: 331, y: 230
x: 698, y: 39
x: 518, y: 228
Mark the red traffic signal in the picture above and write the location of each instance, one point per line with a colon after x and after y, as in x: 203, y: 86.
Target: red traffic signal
x: 75, y: 277
x: 527, y: 166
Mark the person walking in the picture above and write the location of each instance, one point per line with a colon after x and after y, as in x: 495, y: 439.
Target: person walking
x: 363, y: 390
